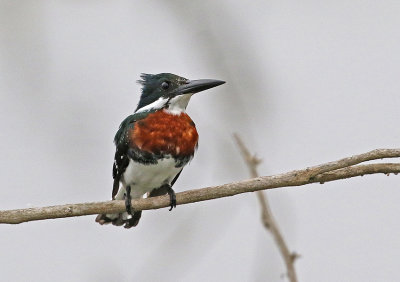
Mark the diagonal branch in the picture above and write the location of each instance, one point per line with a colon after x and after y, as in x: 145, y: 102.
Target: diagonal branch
x: 292, y: 178
x: 266, y: 214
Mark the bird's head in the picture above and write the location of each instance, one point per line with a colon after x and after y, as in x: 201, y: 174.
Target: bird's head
x: 169, y: 91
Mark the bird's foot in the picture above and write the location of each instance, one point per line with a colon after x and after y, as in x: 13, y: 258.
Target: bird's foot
x: 172, y: 197
x: 128, y: 200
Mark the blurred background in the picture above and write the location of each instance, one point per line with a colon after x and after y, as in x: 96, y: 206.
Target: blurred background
x: 307, y: 82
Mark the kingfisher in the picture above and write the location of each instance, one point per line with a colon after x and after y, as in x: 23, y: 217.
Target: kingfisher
x: 154, y: 144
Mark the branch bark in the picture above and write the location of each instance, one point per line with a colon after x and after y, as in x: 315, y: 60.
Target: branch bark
x: 267, y: 217
x: 340, y: 169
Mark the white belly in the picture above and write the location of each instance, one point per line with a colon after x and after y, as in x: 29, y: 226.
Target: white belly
x: 144, y: 178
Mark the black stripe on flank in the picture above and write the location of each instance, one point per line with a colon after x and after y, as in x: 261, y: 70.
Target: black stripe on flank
x: 147, y: 158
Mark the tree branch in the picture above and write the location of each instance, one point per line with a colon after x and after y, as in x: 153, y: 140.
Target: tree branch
x: 266, y: 214
x: 332, y: 171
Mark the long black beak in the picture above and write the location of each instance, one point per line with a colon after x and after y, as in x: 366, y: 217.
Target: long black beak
x: 194, y: 86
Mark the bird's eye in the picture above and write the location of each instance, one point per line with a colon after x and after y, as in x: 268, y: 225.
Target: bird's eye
x: 165, y: 85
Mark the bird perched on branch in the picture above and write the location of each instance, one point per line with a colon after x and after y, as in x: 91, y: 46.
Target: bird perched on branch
x: 155, y: 143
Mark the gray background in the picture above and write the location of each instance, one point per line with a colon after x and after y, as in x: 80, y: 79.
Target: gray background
x: 308, y: 82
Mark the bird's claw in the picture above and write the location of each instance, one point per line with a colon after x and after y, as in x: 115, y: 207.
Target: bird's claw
x: 128, y: 200
x: 172, y: 198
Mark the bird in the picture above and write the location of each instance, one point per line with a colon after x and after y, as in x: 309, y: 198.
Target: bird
x: 154, y: 144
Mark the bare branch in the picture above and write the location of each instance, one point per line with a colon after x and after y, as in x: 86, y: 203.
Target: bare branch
x: 293, y: 178
x: 267, y: 217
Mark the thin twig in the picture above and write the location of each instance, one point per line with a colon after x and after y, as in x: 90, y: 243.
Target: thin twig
x: 293, y: 178
x: 266, y: 214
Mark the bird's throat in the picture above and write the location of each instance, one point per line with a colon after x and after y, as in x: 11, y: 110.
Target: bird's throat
x: 178, y: 104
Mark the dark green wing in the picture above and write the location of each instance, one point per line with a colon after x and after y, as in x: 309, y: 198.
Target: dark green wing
x: 121, y: 140
x: 127, y: 124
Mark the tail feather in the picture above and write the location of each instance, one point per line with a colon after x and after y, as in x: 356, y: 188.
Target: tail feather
x: 119, y: 219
